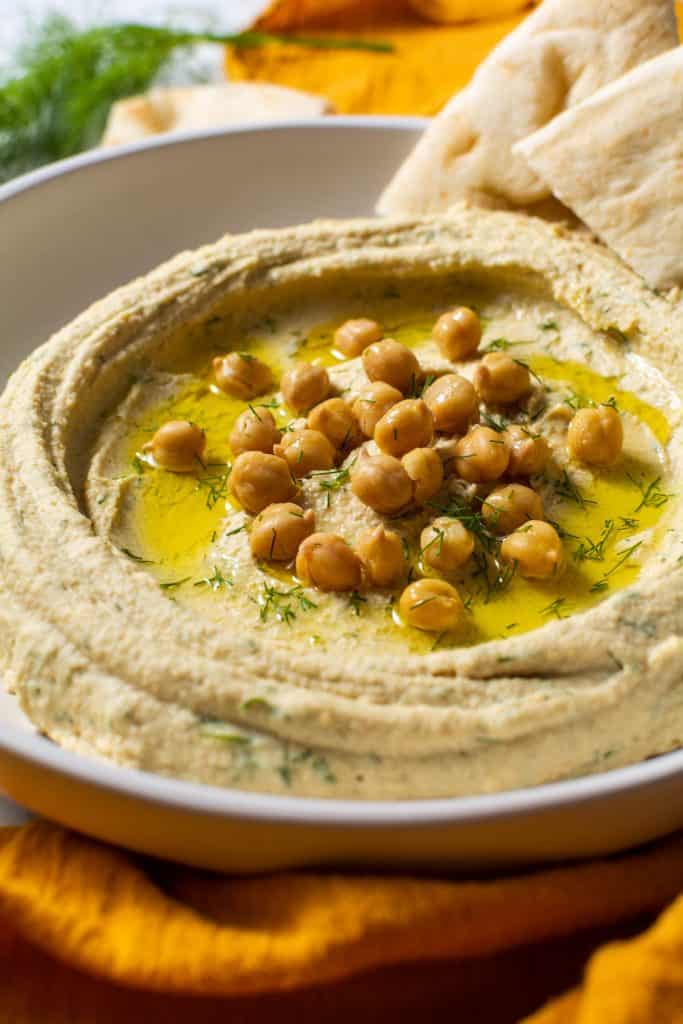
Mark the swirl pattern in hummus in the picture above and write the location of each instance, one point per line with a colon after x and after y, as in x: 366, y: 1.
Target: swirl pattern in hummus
x: 107, y: 662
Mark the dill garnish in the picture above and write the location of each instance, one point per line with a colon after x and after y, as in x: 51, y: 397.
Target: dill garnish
x: 594, y: 550
x: 338, y: 477
x: 652, y: 496
x: 565, y: 488
x: 58, y: 101
x: 137, y: 558
x: 215, y: 485
x: 356, y: 601
x: 282, y: 604
x: 217, y: 581
x: 172, y: 584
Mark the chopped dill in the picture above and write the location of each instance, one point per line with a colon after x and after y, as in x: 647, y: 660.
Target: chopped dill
x: 652, y: 495
x: 282, y: 604
x: 216, y: 581
x: 556, y: 608
x: 215, y: 485
x: 594, y: 550
x: 497, y: 423
x: 137, y: 558
x: 172, y: 584
x: 565, y: 488
x: 356, y: 602
x: 337, y: 479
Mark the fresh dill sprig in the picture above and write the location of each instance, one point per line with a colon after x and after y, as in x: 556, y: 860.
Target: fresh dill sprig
x: 57, y: 103
x: 282, y: 604
x: 556, y: 608
x: 332, y: 480
x: 499, y: 423
x: 172, y: 584
x: 589, y: 550
x: 215, y: 485
x: 137, y: 558
x: 565, y: 488
x: 652, y: 495
x: 216, y: 581
x: 356, y: 602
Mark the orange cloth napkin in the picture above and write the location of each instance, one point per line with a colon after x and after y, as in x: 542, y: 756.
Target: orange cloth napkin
x: 90, y: 932
x: 428, y: 64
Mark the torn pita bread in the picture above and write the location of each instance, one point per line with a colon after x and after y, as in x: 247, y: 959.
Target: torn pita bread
x: 617, y: 161
x: 557, y: 57
x: 206, y: 106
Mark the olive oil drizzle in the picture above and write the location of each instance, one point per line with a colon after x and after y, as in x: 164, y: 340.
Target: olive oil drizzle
x: 176, y: 517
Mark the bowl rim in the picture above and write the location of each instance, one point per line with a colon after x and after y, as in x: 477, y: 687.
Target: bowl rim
x: 91, y: 157
x: 325, y: 812
x: 329, y: 812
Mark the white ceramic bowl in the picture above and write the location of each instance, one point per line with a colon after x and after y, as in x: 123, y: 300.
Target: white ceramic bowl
x: 70, y: 234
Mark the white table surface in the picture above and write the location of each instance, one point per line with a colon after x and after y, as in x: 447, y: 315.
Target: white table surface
x: 218, y: 15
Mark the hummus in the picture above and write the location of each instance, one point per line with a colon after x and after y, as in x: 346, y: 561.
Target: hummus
x: 137, y: 624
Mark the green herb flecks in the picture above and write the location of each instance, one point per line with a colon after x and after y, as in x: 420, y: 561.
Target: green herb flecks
x: 558, y: 607
x: 589, y: 550
x: 215, y: 485
x: 566, y: 489
x: 172, y: 584
x: 225, y: 732
x: 216, y: 581
x: 282, y: 604
x: 652, y: 495
x: 356, y: 602
x: 497, y: 423
x: 57, y: 102
x: 137, y: 558
x: 331, y: 480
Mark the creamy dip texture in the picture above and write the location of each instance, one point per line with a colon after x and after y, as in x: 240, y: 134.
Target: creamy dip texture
x: 192, y: 536
x: 141, y: 621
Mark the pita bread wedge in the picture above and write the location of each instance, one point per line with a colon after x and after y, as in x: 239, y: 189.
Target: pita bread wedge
x: 557, y: 57
x: 206, y: 106
x: 617, y: 161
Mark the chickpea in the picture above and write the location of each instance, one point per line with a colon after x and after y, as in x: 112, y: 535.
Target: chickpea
x: 393, y: 363
x: 382, y: 483
x: 501, y: 380
x: 254, y: 431
x: 431, y: 605
x: 425, y: 469
x: 481, y: 455
x: 529, y: 453
x: 354, y: 336
x: 242, y: 375
x: 446, y: 545
x: 178, y: 445
x: 381, y: 552
x: 304, y: 386
x: 335, y: 419
x: 535, y: 549
x: 596, y: 436
x: 306, y: 451
x: 453, y: 403
x: 511, y: 506
x: 327, y: 561
x: 408, y: 424
x: 258, y: 480
x: 279, y: 530
x: 457, y: 333
x: 373, y: 401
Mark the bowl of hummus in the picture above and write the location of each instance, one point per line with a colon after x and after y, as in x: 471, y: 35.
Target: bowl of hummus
x: 353, y: 512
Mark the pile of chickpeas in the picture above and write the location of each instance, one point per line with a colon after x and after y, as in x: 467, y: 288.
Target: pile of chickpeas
x: 421, y: 442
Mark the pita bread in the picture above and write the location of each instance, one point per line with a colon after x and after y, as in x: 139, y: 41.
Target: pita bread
x: 557, y: 57
x: 206, y: 106
x: 617, y: 161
